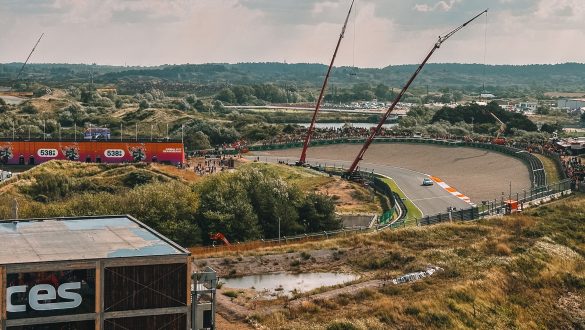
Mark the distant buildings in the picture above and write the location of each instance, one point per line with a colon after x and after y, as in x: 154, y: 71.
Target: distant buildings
x: 571, y: 104
x: 529, y: 107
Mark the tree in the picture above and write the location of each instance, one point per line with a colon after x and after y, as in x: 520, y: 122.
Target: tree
x: 226, y: 95
x: 317, y: 213
x: 196, y: 140
x: 30, y: 109
x: 191, y: 99
x: 119, y: 103
x: 382, y: 92
x: 551, y: 128
x: 143, y: 105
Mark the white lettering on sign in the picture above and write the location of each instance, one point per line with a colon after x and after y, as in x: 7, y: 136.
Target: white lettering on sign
x: 47, y: 153
x: 39, y: 295
x: 172, y: 150
x: 114, y: 153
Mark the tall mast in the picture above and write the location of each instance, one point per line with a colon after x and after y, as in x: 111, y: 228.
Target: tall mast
x: 437, y: 45
x: 318, y: 105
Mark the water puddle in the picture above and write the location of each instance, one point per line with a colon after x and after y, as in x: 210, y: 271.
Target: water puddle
x: 286, y: 283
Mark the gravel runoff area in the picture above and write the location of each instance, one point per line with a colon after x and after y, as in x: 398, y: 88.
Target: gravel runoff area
x: 477, y: 173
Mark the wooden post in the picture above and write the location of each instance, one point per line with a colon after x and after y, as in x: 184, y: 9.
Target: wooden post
x: 189, y: 282
x: 99, y: 295
x: 2, y: 297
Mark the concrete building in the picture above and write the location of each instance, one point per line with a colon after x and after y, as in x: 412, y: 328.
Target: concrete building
x: 571, y: 104
x: 529, y: 107
x: 110, y: 272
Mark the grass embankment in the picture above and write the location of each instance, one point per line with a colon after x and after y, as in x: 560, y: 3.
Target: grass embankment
x: 413, y: 212
x: 522, y: 271
x: 349, y: 197
x: 550, y: 168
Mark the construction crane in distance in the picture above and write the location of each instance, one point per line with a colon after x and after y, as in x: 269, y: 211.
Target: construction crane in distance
x: 29, y: 55
x: 501, y: 130
x: 376, y: 131
x: 318, y: 105
x: 219, y: 236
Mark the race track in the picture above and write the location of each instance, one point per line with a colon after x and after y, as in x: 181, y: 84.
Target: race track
x: 479, y: 174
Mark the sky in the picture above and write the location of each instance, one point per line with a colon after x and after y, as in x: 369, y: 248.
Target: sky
x: 379, y: 32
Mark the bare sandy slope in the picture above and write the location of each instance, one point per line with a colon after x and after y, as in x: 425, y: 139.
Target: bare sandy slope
x: 479, y: 174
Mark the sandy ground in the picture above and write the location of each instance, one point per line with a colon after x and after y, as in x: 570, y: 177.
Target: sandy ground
x: 477, y: 173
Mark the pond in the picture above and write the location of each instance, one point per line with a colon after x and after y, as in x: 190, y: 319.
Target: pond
x: 285, y: 283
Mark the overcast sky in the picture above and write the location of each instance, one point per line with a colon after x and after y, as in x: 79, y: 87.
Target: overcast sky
x: 380, y: 32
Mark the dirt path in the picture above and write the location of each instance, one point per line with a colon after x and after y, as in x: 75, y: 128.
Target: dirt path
x: 350, y: 289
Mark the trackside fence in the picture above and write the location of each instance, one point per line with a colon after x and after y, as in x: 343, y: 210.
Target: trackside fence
x: 501, y: 206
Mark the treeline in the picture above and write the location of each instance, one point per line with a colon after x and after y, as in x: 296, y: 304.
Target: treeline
x: 482, y: 120
x: 557, y: 77
x: 246, y: 204
x: 260, y: 94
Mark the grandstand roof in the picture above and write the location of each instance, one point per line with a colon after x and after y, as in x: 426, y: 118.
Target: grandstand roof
x: 81, y: 238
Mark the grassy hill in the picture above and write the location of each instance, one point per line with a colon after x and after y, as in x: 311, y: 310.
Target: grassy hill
x: 525, y: 271
x: 184, y: 206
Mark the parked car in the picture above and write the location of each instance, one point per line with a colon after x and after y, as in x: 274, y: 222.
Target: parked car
x: 427, y: 182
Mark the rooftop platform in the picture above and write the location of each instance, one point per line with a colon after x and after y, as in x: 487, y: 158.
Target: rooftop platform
x: 80, y: 238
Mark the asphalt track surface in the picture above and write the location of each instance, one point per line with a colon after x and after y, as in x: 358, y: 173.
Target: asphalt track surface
x: 477, y: 173
x: 429, y: 199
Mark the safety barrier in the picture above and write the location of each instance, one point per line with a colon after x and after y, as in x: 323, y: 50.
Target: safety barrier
x: 502, y: 206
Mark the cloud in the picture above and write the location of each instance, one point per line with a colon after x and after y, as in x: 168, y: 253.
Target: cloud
x: 439, y: 6
x: 380, y: 32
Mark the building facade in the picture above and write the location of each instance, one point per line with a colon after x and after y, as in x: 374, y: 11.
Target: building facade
x: 33, y: 152
x: 91, y: 273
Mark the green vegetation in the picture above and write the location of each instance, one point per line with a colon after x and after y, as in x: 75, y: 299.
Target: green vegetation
x: 482, y: 119
x: 550, y: 168
x: 502, y: 80
x: 243, y: 205
x: 413, y: 212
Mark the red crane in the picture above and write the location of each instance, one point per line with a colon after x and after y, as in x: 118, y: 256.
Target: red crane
x: 219, y: 236
x: 29, y: 55
x: 404, y: 89
x: 318, y: 105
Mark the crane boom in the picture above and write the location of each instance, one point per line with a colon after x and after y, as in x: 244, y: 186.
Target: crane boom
x: 318, y: 105
x: 375, y: 132
x: 502, y: 125
x: 29, y: 55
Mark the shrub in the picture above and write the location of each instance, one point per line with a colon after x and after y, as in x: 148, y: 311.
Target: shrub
x: 50, y: 187
x: 462, y: 296
x: 305, y: 255
x: 232, y: 294
x: 438, y: 320
x: 341, y: 326
x: 411, y: 310
x: 503, y: 250
x: 30, y: 109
